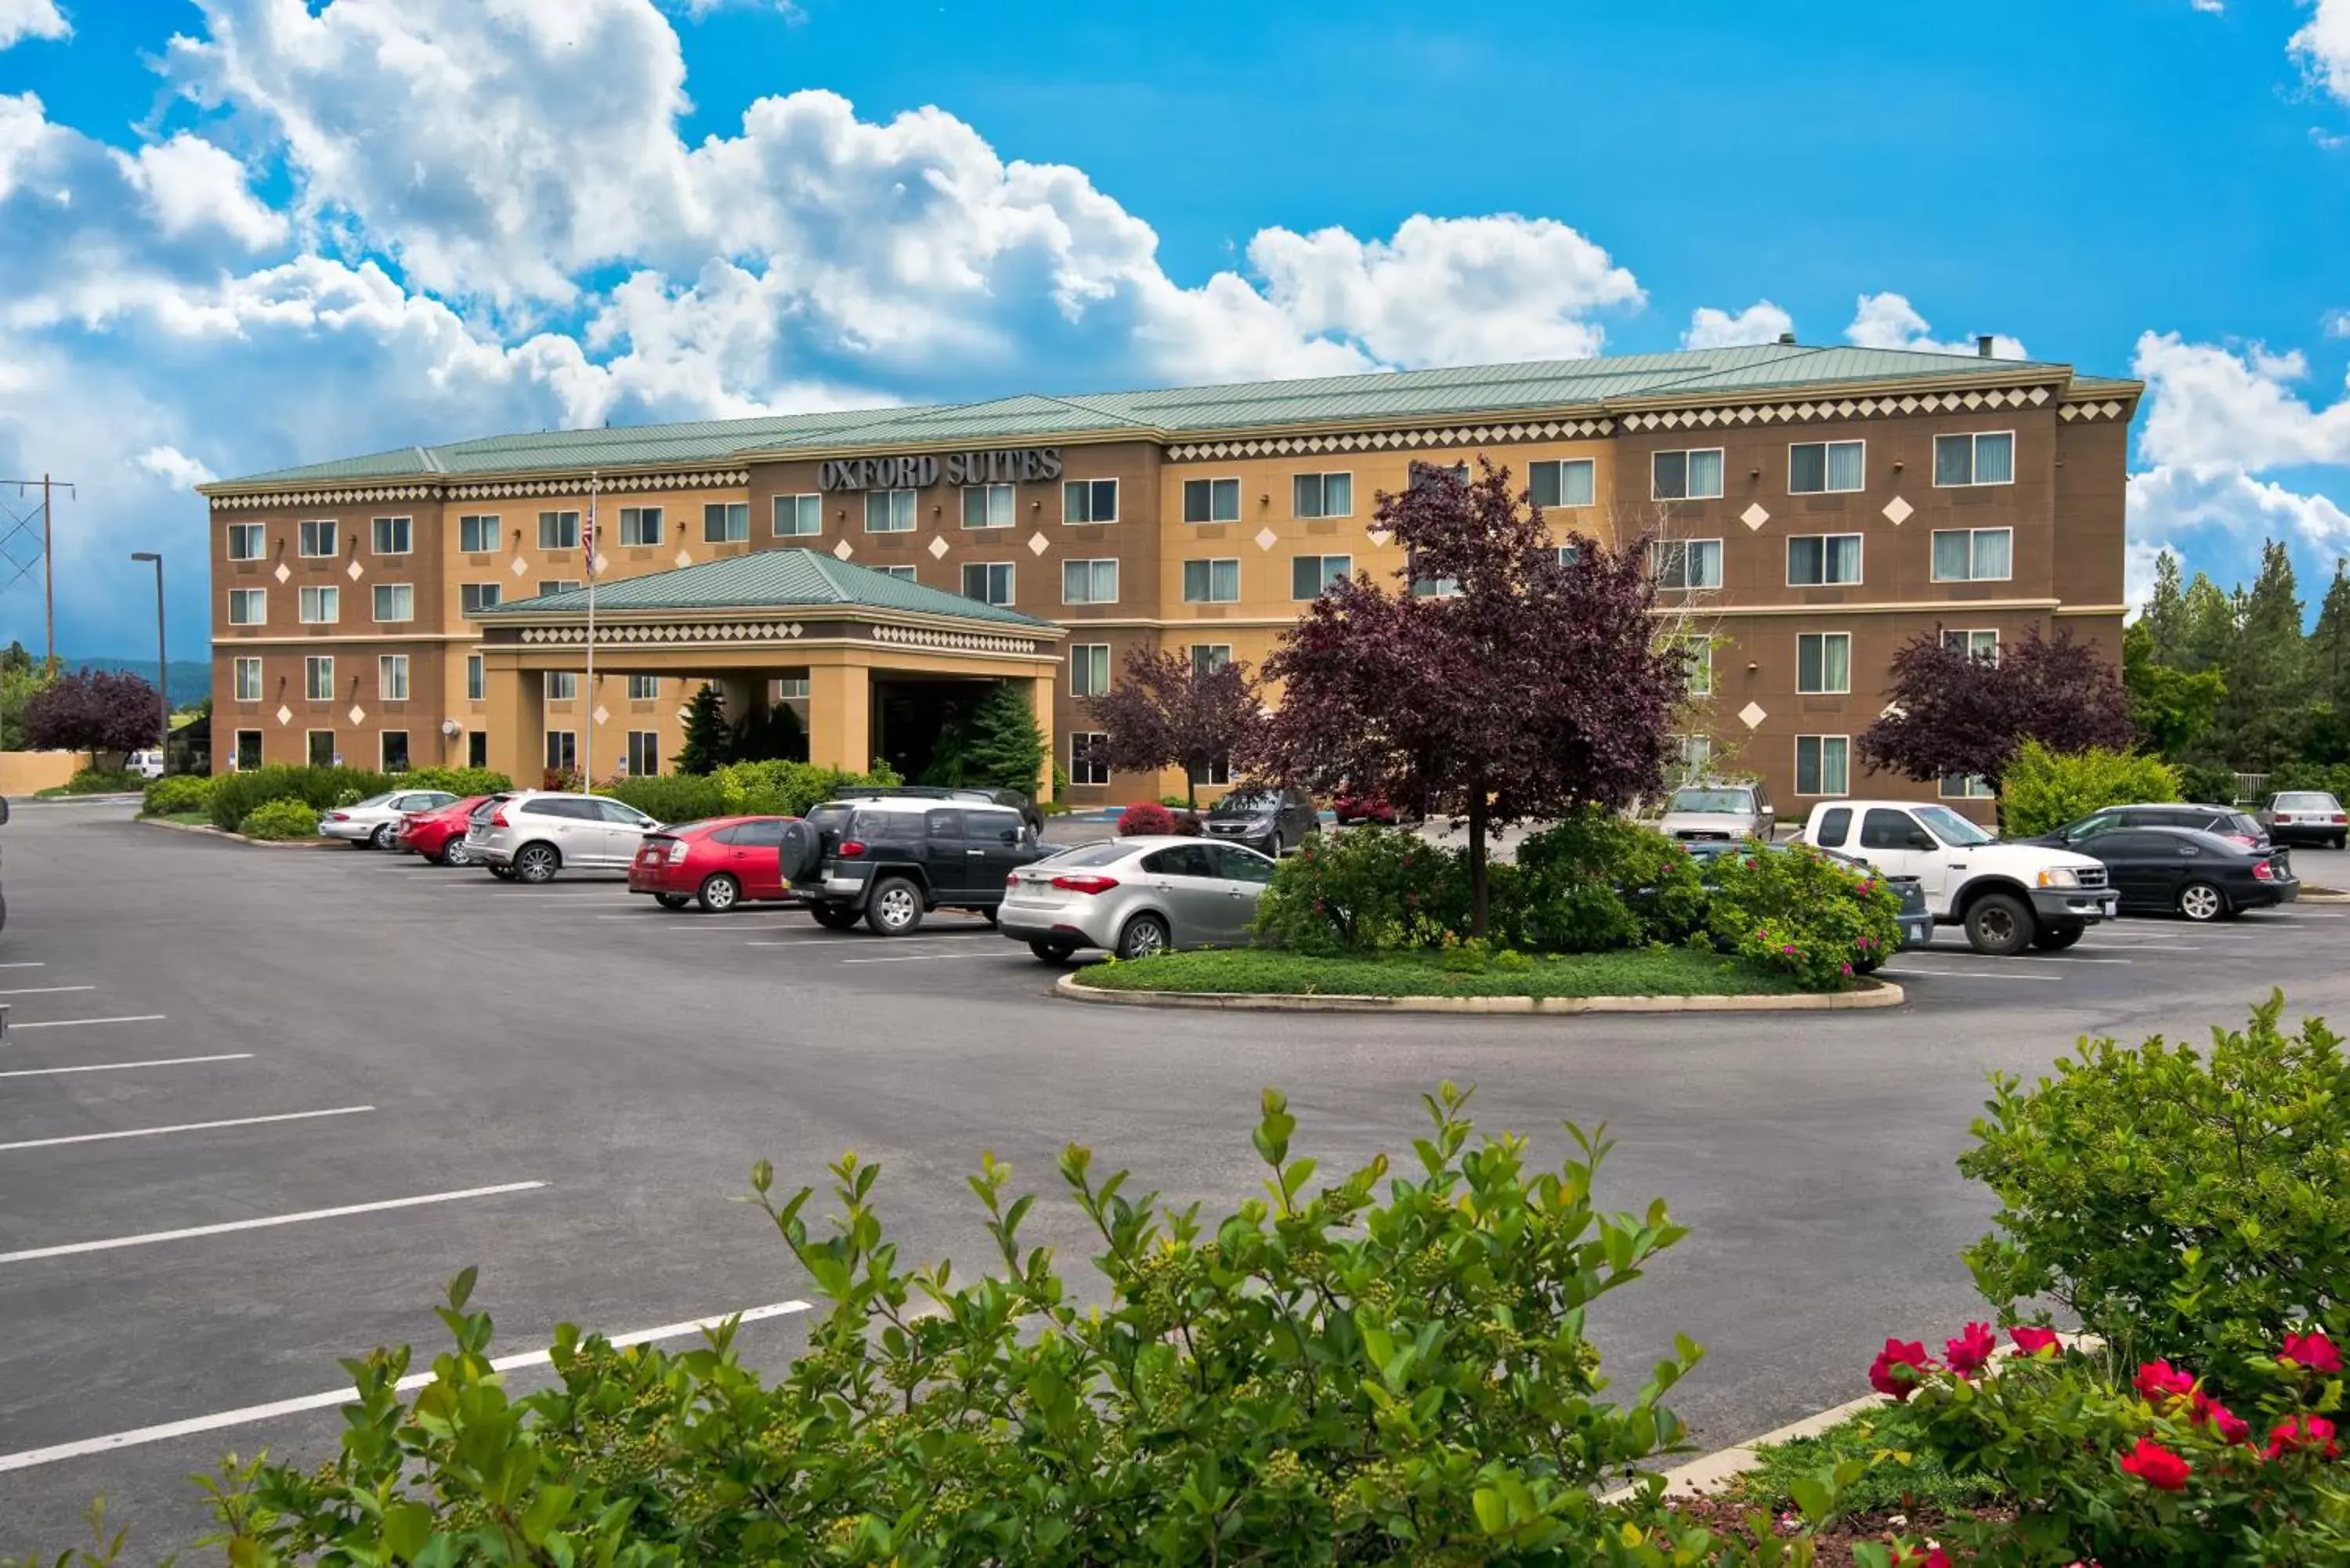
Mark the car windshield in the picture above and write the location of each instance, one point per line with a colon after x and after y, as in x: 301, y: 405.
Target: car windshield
x: 2307, y: 800
x: 1709, y: 800
x: 1100, y: 854
x: 1246, y: 802
x: 1949, y: 826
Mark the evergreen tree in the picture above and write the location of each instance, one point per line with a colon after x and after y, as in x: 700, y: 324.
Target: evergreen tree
x: 2166, y: 617
x: 2172, y: 709
x: 2326, y: 738
x: 2210, y: 639
x: 1001, y: 747
x: 2262, y: 716
x: 707, y: 738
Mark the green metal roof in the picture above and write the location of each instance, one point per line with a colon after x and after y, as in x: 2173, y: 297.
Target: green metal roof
x: 1457, y: 392
x: 764, y: 580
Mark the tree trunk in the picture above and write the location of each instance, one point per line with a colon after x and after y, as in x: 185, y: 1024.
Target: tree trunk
x: 1477, y: 812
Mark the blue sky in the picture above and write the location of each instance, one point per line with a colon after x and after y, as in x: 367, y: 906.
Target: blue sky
x: 251, y: 232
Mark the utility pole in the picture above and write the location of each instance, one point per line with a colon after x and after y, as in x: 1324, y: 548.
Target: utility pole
x: 14, y: 565
x: 163, y: 658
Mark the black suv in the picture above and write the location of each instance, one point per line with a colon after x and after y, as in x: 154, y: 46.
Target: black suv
x: 893, y: 860
x: 1012, y: 798
x: 1265, y: 817
x: 2240, y: 827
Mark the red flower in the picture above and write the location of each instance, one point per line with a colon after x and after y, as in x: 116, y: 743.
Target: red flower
x: 1898, y: 1368
x: 1920, y: 1557
x: 2313, y: 1351
x: 1972, y: 1350
x: 2156, y: 1466
x: 2159, y: 1380
x: 2293, y: 1432
x: 2030, y: 1341
x: 2229, y: 1427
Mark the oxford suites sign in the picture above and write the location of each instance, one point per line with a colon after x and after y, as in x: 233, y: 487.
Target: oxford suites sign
x: 1016, y: 465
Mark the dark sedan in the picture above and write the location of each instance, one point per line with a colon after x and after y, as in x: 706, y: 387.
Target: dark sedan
x: 2182, y: 870
x: 2238, y: 828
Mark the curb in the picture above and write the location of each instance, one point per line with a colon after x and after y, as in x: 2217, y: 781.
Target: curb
x: 2321, y: 896
x: 1882, y: 994
x: 239, y: 837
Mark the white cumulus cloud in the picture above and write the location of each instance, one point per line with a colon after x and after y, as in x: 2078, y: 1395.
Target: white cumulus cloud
x: 1761, y: 322
x: 1891, y: 321
x: 192, y: 185
x: 175, y: 468
x: 31, y: 20
x: 2213, y: 409
x: 2322, y: 47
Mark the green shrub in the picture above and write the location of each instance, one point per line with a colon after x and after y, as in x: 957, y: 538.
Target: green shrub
x: 1390, y: 1369
x: 456, y: 780
x: 101, y: 781
x: 2043, y: 790
x: 278, y: 819
x: 235, y: 795
x: 2333, y: 780
x: 1596, y: 882
x: 1365, y: 890
x: 176, y: 792
x: 2182, y: 1204
x: 673, y: 797
x: 2207, y: 785
x: 1797, y: 912
x: 782, y: 788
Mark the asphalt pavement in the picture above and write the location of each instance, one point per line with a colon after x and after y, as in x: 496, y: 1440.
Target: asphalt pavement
x: 259, y: 1105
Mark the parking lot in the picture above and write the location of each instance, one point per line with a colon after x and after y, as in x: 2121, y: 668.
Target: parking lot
x: 259, y: 1105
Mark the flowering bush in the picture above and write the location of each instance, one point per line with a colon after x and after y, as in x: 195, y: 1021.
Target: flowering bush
x: 1145, y: 818
x: 1596, y: 881
x: 1795, y: 911
x: 1365, y: 890
x: 2181, y: 1205
x: 280, y: 819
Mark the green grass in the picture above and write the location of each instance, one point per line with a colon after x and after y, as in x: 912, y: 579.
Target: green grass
x: 185, y: 818
x: 1671, y: 971
x: 1895, y: 1477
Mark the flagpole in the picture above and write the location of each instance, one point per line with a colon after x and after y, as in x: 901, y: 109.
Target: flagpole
x: 587, y: 772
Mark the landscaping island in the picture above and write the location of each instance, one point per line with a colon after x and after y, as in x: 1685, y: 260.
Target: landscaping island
x: 1667, y: 971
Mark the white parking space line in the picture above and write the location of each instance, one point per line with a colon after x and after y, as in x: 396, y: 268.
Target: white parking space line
x: 126, y: 1066
x: 2075, y: 956
x: 933, y: 958
x: 843, y: 939
x: 28, y: 1457
x: 2085, y: 951
x: 186, y: 1126
x: 79, y: 1022
x: 1962, y: 974
x: 33, y: 964
x: 151, y: 1238
x: 44, y: 989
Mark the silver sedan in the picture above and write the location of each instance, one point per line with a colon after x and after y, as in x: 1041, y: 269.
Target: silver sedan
x: 1135, y: 896
x: 373, y: 822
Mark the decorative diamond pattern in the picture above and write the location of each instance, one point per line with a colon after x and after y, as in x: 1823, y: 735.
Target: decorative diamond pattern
x: 358, y: 715
x: 603, y: 563
x: 1898, y: 510
x: 285, y: 714
x: 601, y: 713
x: 1752, y: 715
x: 1379, y: 536
x: 1038, y: 544
x: 519, y: 567
x: 281, y: 574
x: 938, y: 547
x: 685, y: 559
x: 1754, y: 516
x: 355, y: 571
x: 844, y: 550
x: 1266, y: 538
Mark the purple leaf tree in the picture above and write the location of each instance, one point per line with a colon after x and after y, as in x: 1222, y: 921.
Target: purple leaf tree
x: 1494, y: 683
x: 94, y: 711
x: 1163, y: 712
x: 1954, y: 712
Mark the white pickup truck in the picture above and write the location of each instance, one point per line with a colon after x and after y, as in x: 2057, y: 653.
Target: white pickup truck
x: 2009, y: 897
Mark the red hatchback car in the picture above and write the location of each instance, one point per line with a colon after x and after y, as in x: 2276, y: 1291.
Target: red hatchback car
x: 440, y: 834
x: 717, y: 863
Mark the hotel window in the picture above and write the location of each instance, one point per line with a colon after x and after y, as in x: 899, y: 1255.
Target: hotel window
x: 475, y: 597
x: 392, y: 678
x: 562, y: 685
x: 798, y: 516
x: 1566, y: 554
x: 558, y: 530
x: 318, y: 678
x: 395, y: 601
x: 1090, y: 500
x: 320, y: 607
x: 889, y: 512
x: 248, y: 679
x: 788, y: 688
x: 1088, y: 668
x: 903, y: 574
x: 1685, y: 475
x: 1693, y: 755
x: 644, y: 753
x: 1211, y: 501
x: 1428, y: 587
x: 248, y: 606
x: 726, y: 523
x: 1699, y: 651
x: 562, y: 750
x: 558, y: 586
x: 1824, y: 467
x: 1091, y: 582
x: 477, y: 749
x: 1822, y: 560
x: 248, y: 751
x: 1311, y: 575
x: 1823, y: 765
x: 1212, y: 582
x: 477, y: 678
x: 1986, y: 458
x: 1982, y: 645
x: 321, y: 748
x: 1323, y: 495
x: 1089, y: 763
x: 317, y: 539
x: 245, y: 541
x: 1822, y: 662
x: 1207, y: 657
x: 393, y: 536
x: 479, y: 535
x: 987, y: 505
x: 1217, y: 771
x: 644, y: 688
x: 640, y: 525
x: 393, y: 750
x: 1566, y: 482
x: 1973, y: 555
x: 1964, y: 786
x: 1687, y: 563
x: 1420, y: 474
x: 989, y: 582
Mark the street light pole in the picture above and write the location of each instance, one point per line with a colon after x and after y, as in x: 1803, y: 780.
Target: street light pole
x: 163, y: 658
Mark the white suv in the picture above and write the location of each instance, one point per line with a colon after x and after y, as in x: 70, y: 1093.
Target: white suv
x: 530, y: 835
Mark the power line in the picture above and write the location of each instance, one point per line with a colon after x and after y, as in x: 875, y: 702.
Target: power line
x: 25, y: 543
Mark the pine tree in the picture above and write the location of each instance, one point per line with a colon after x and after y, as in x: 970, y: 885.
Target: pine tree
x: 1001, y: 746
x: 707, y: 738
x: 2208, y: 640
x: 2262, y: 717
x: 2166, y: 617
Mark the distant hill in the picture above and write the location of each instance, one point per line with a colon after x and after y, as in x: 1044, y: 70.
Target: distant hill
x: 192, y: 678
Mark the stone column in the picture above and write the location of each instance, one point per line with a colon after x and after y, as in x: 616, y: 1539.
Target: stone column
x: 514, y: 714
x: 1041, y: 692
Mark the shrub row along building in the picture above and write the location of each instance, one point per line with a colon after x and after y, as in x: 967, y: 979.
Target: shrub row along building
x: 1813, y: 508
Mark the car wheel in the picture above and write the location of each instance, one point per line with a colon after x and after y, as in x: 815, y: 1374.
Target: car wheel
x: 992, y: 914
x: 1145, y: 937
x: 454, y: 853
x: 895, y: 907
x: 1054, y: 953
x: 2341, y: 840
x: 718, y: 894
x: 2056, y: 939
x: 1998, y: 924
x: 381, y: 838
x: 2201, y: 901
x: 672, y: 900
x: 503, y: 873
x: 1273, y: 849
x: 833, y: 916
x: 537, y: 863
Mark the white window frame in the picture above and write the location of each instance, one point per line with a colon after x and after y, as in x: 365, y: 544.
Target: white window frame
x: 473, y: 591
x: 1934, y: 570
x: 726, y: 515
x: 1071, y: 486
x: 258, y: 598
x: 1970, y: 633
x: 558, y: 586
x: 305, y: 537
x: 324, y: 595
x: 1591, y: 473
x: 1083, y: 655
x: 311, y: 745
x: 406, y: 535
x: 236, y: 753
x: 477, y: 678
x: 1010, y: 570
x: 1701, y: 665
x: 1692, y: 754
x: 383, y: 750
x: 639, y: 516
x: 1321, y: 571
x: 904, y: 573
x: 1212, y: 480
x: 987, y: 495
x: 1685, y: 452
x: 790, y: 688
x: 638, y: 693
x: 1211, y: 563
x: 553, y: 526
x: 815, y: 507
x: 1972, y: 439
x: 1657, y: 566
x: 565, y: 756
x: 1860, y: 572
x: 1207, y: 657
x: 1842, y: 690
x: 1090, y: 564
x: 375, y: 602
x: 246, y: 691
x: 1322, y: 478
x: 490, y: 523
x: 314, y: 665
x: 1825, y: 488
x: 392, y: 678
x: 1082, y: 763
x: 889, y: 503
x: 649, y: 739
x: 1971, y: 786
x: 252, y: 533
x: 570, y: 691
x: 1823, y: 794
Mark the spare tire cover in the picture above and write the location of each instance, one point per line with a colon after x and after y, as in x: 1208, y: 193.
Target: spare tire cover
x: 800, y: 851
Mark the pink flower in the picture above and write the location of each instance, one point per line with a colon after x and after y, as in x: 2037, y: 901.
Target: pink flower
x: 2297, y: 1432
x: 1919, y: 1557
x: 1848, y: 970
x: 2159, y: 1380
x: 1788, y: 948
x: 2156, y: 1466
x: 1898, y: 1368
x: 2030, y: 1341
x: 2314, y: 1351
x: 2225, y: 1424
x: 1972, y: 1350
